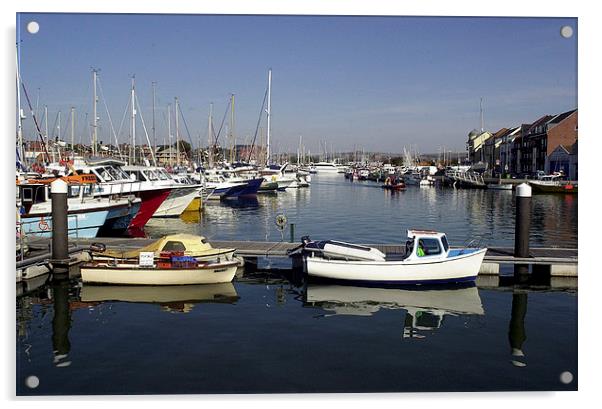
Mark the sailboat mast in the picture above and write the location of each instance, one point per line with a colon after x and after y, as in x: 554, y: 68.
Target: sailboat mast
x: 133, y: 119
x: 46, y: 130
x: 154, y: 132
x: 210, y: 133
x: 269, y: 114
x: 169, y: 133
x: 177, y: 135
x: 19, y: 110
x: 73, y: 130
x: 95, y: 118
x: 232, y: 140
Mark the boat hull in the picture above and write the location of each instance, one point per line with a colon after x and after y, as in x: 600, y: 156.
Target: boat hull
x: 81, y: 225
x: 457, y: 269
x: 549, y: 188
x: 134, y: 275
x: 177, y: 201
x: 151, y: 200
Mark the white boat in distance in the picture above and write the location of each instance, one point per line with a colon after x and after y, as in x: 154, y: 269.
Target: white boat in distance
x: 326, y: 167
x: 428, y: 259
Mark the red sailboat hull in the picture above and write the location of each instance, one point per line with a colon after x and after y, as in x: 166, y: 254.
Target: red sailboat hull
x: 151, y: 200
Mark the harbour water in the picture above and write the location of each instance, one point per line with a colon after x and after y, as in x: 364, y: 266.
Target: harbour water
x: 271, y: 331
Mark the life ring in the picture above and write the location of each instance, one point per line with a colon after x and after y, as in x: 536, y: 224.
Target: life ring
x: 43, y: 225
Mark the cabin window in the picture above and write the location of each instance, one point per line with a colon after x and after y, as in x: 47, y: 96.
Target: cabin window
x: 445, y: 244
x: 430, y: 246
x: 27, y: 194
x: 174, y: 246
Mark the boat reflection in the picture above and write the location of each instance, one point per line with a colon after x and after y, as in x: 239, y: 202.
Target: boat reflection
x: 425, y: 307
x: 193, y: 216
x: 177, y: 298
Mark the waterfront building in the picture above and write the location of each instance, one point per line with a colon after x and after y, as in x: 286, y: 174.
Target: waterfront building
x: 475, y: 144
x: 573, y: 175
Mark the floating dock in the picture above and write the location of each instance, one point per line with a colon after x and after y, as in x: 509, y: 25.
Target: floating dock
x: 562, y: 261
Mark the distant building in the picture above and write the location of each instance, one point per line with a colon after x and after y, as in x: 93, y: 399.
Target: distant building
x: 547, y: 145
x: 476, y: 144
x: 573, y: 174
x: 559, y: 160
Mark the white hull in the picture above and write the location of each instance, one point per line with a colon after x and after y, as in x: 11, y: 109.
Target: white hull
x: 177, y: 201
x: 454, y: 269
x: 220, y: 273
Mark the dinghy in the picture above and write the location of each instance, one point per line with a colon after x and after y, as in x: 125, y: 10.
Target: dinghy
x: 173, y: 272
x: 428, y: 259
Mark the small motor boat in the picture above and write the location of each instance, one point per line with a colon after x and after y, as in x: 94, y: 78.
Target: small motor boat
x: 428, y: 259
x: 393, y: 184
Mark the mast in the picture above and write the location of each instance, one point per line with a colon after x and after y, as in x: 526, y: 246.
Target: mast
x: 169, y: 133
x: 95, y: 119
x: 210, y: 133
x: 177, y: 135
x: 19, y: 110
x: 133, y: 119
x: 481, y: 110
x: 46, y: 129
x: 154, y: 133
x: 232, y: 137
x: 269, y: 114
x: 73, y: 131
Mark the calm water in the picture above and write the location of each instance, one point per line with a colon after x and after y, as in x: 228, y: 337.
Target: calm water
x: 362, y: 212
x: 275, y: 332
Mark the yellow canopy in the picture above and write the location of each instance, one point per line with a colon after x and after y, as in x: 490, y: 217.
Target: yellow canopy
x: 195, y: 246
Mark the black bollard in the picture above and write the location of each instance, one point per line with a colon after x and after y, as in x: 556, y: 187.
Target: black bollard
x: 60, y: 243
x: 522, y: 220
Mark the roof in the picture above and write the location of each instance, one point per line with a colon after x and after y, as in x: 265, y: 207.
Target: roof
x: 417, y: 232
x: 561, y: 117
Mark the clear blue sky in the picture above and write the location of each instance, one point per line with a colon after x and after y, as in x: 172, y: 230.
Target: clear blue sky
x: 378, y: 83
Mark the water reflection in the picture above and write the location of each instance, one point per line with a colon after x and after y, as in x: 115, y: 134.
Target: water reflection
x: 180, y: 298
x: 61, y: 323
x: 516, y: 332
x: 425, y: 308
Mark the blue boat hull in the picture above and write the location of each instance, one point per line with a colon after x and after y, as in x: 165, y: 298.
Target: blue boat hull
x: 84, y: 225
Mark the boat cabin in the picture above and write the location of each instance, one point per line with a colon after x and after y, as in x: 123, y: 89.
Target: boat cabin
x: 423, y: 244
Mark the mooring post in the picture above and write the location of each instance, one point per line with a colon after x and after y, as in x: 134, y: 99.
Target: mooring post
x: 522, y: 221
x: 60, y: 243
x: 292, y: 232
x: 522, y: 225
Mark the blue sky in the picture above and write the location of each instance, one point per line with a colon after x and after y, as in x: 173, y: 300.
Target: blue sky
x: 377, y: 83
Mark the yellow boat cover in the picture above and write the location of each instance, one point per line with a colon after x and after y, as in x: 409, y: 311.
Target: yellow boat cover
x: 195, y: 246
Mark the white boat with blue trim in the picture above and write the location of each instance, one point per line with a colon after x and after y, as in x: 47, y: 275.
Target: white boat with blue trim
x: 428, y: 259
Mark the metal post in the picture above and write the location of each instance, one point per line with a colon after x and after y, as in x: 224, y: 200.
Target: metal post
x: 522, y: 220
x: 292, y: 232
x: 60, y: 241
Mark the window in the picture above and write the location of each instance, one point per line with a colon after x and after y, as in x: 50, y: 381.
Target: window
x: 174, y: 246
x: 445, y: 244
x: 430, y: 246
